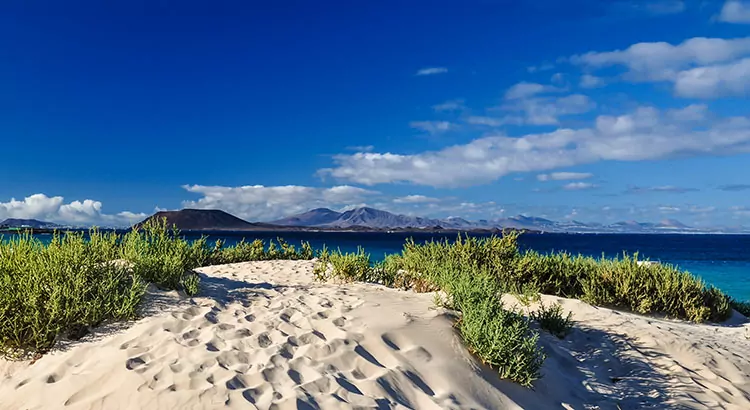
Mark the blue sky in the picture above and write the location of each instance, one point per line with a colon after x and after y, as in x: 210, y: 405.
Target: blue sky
x: 586, y: 110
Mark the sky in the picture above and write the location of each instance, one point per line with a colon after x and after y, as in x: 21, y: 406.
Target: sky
x: 578, y: 110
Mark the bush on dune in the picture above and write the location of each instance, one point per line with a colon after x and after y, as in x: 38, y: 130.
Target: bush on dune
x: 81, y: 280
x: 61, y: 288
x: 158, y: 255
x: 474, y: 272
x: 258, y: 251
x: 499, y: 337
x: 619, y: 283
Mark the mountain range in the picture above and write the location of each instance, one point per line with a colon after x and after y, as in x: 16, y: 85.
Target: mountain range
x: 378, y: 219
x: 371, y: 219
x: 28, y: 223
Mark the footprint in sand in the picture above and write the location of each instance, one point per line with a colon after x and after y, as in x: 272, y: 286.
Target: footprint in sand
x: 136, y: 363
x: 264, y: 340
x: 192, y: 334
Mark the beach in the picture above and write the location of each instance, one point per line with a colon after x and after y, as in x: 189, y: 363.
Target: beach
x: 266, y: 335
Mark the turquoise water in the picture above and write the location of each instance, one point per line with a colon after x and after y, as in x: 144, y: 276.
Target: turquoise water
x: 722, y: 260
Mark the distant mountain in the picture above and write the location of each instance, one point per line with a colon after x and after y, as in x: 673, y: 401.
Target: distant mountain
x: 204, y: 219
x: 525, y: 222
x: 358, y: 217
x: 377, y: 219
x: 672, y: 223
x: 28, y: 223
x: 315, y: 217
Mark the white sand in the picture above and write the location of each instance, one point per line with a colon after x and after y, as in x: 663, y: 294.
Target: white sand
x: 266, y: 336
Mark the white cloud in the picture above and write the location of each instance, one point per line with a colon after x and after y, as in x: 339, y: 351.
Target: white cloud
x: 669, y: 209
x: 662, y: 61
x: 264, y: 203
x: 432, y: 71
x: 536, y: 109
x: 699, y: 67
x: 701, y: 209
x: 53, y: 209
x: 646, y: 134
x: 691, y: 113
x: 557, y: 78
x: 735, y: 11
x: 740, y: 210
x: 361, y: 148
x: 578, y: 186
x: 526, y: 90
x: 432, y: 127
x: 732, y: 79
x: 415, y: 199
x: 547, y: 110
x: 450, y: 105
x: 488, y: 121
x: 564, y: 176
x: 78, y: 211
x: 591, y: 81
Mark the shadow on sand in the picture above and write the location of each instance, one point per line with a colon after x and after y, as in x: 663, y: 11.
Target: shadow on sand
x: 591, y: 369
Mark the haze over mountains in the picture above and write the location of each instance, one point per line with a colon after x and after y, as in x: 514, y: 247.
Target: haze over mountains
x: 375, y: 218
x: 365, y: 218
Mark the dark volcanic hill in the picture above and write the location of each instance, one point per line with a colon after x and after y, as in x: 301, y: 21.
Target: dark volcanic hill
x: 27, y: 223
x: 204, y: 219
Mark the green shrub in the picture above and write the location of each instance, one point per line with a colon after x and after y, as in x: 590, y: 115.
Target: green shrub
x: 61, y: 289
x: 661, y: 289
x: 551, y: 319
x: 346, y: 267
x: 78, y: 280
x: 258, y: 251
x: 618, y: 283
x: 499, y: 337
x: 157, y: 254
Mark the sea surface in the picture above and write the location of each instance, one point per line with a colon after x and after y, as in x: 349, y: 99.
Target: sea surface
x: 721, y: 260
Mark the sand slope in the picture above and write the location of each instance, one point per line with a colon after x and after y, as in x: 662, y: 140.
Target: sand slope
x: 264, y: 335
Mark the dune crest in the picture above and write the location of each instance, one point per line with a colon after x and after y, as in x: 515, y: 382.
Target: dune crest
x: 264, y: 335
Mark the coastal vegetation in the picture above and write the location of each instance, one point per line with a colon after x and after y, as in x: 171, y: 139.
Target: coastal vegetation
x: 81, y: 280
x: 475, y: 272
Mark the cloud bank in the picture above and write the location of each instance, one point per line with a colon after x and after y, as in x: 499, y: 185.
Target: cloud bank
x: 54, y: 209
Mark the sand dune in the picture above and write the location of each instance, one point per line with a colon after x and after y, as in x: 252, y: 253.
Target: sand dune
x: 264, y: 335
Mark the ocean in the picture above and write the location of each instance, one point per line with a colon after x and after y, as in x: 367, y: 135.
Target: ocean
x: 721, y: 260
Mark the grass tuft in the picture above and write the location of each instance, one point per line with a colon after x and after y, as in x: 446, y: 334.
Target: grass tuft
x: 552, y: 319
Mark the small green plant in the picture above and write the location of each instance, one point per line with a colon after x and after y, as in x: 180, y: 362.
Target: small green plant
x: 346, y: 267
x: 528, y: 294
x: 552, y: 319
x: 499, y: 337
